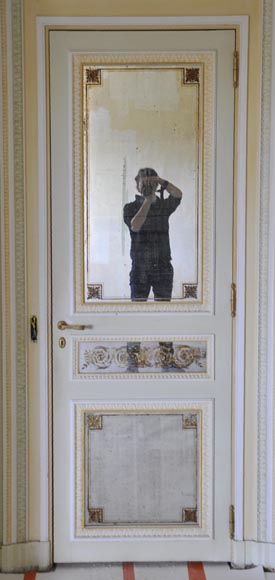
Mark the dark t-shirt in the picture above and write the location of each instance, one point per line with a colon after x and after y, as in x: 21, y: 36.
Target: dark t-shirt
x: 150, y: 246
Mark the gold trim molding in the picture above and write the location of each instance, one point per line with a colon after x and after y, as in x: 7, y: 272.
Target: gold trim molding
x: 205, y: 64
x: 203, y: 410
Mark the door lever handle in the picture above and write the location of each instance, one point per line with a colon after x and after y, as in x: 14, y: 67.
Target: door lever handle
x: 62, y: 325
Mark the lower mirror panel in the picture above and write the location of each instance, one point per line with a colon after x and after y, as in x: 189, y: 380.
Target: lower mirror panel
x: 143, y: 469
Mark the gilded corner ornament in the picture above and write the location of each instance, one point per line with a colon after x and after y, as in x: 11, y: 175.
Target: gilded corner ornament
x: 93, y: 76
x: 190, y: 291
x: 94, y: 291
x: 191, y: 76
x: 94, y: 422
x: 95, y: 515
x: 189, y: 516
x: 190, y: 421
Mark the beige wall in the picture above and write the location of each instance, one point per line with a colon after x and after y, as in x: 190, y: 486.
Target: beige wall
x: 252, y: 8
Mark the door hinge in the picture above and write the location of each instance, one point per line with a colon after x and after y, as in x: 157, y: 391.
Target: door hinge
x: 233, y: 299
x: 232, y: 522
x: 236, y: 69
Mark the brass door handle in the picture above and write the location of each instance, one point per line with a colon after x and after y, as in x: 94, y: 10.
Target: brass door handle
x: 62, y: 325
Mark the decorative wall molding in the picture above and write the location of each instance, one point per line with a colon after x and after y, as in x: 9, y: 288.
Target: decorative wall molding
x: 271, y: 317
x: 20, y: 267
x: 13, y: 274
x: 249, y: 553
x: 26, y: 556
x: 5, y: 263
x: 265, y: 395
x: 113, y: 21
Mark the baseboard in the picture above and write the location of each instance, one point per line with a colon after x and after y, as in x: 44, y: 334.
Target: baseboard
x: 249, y: 553
x: 27, y: 556
x: 37, y: 556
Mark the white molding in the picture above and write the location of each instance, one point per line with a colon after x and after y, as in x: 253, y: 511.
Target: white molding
x: 271, y: 311
x: 43, y: 287
x: 2, y: 379
x: 21, y: 271
x: 12, y: 282
x: 240, y: 287
x: 265, y: 292
x: 166, y: 21
x: 238, y: 554
x: 242, y: 22
x: 27, y: 556
x: 8, y: 314
x: 251, y: 553
x: 3, y: 319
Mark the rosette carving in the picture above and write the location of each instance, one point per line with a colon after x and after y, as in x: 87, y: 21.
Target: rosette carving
x: 100, y: 357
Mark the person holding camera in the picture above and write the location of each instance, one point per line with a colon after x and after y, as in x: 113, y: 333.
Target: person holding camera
x: 148, y: 221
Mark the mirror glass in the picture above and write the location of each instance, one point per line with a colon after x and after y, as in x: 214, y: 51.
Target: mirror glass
x: 141, y: 118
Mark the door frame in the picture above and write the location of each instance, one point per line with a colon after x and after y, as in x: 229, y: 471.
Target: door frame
x: 44, y: 25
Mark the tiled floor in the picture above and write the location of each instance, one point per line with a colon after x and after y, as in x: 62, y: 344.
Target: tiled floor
x: 169, y: 571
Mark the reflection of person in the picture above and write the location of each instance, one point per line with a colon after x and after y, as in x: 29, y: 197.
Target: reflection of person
x: 148, y: 221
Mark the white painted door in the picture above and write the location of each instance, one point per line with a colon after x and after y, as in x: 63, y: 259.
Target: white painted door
x: 141, y: 393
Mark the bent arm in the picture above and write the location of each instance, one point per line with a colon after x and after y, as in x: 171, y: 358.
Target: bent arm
x: 138, y: 220
x: 172, y: 189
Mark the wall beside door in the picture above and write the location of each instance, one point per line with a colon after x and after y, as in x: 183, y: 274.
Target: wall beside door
x: 25, y: 515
